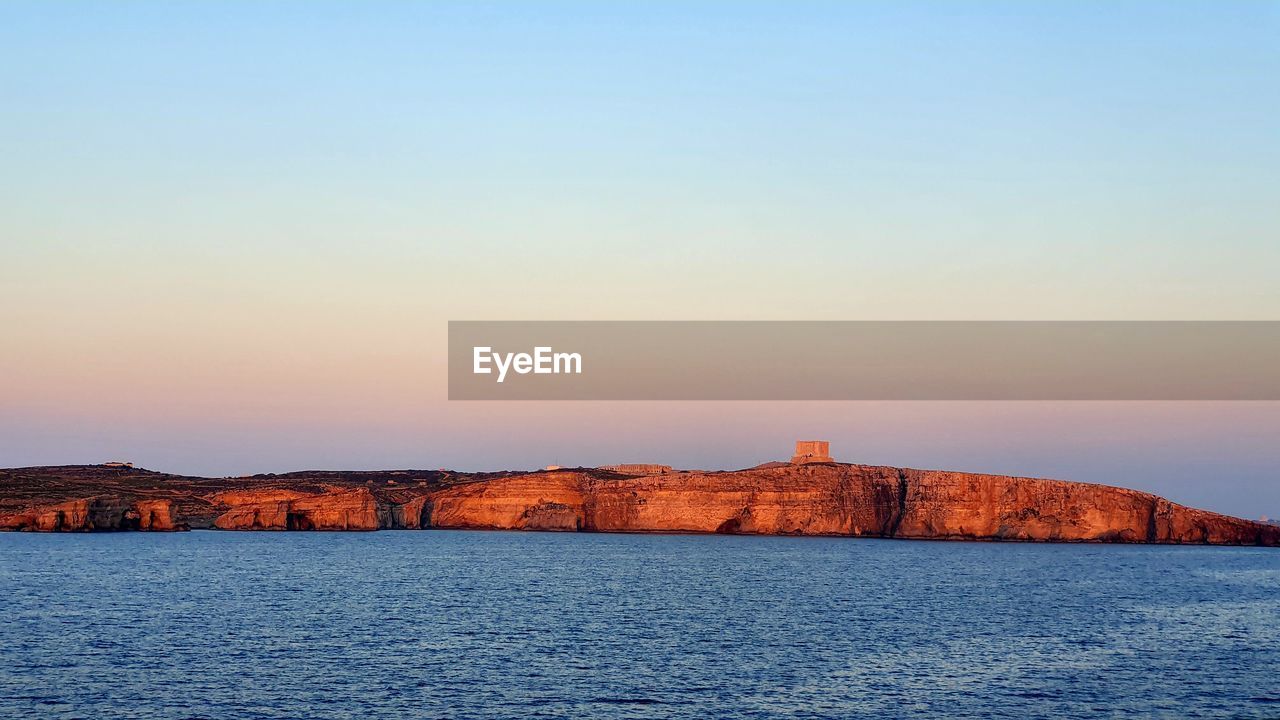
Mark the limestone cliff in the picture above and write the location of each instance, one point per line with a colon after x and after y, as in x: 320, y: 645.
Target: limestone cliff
x: 832, y: 499
x: 808, y: 499
x: 274, y: 509
x: 95, y: 513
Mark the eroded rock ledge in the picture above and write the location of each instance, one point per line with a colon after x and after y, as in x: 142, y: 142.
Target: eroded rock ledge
x: 812, y: 499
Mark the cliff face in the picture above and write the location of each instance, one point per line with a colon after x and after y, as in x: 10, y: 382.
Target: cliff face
x: 830, y: 499
x: 965, y: 506
x: 802, y: 500
x: 95, y: 513
x: 275, y: 509
x: 810, y: 499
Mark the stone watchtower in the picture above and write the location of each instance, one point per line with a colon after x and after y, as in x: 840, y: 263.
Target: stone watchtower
x: 812, y: 451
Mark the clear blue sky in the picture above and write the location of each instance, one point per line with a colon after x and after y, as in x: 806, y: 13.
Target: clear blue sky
x: 232, y: 232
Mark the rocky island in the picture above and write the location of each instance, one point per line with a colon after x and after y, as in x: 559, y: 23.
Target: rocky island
x: 811, y: 495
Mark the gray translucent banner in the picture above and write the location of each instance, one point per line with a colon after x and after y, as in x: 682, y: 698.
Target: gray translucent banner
x: 713, y: 360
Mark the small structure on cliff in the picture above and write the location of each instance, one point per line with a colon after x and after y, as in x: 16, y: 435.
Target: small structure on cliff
x: 812, y: 451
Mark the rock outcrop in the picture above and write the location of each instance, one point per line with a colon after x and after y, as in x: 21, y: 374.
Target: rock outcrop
x: 95, y: 514
x: 948, y: 505
x: 805, y: 499
x: 275, y: 509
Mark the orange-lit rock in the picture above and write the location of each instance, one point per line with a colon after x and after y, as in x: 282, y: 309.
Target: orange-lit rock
x: 156, y: 515
x: 272, y: 509
x: 95, y: 514
x: 803, y: 499
x: 808, y: 500
x: 79, y: 516
x: 267, y: 515
x: 968, y: 506
x: 538, y: 501
x: 831, y: 499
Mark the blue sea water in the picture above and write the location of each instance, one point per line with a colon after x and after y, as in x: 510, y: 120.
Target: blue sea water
x: 496, y: 625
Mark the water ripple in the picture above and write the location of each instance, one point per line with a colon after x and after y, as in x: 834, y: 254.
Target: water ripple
x: 493, y: 625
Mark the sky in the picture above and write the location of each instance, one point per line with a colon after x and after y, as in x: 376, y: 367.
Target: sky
x: 232, y: 234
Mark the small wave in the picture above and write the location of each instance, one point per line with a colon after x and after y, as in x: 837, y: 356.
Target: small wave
x: 627, y: 701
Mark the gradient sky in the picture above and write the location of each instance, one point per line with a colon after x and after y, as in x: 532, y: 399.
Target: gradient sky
x: 231, y: 234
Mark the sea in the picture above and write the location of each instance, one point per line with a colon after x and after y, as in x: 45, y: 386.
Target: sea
x: 458, y: 624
